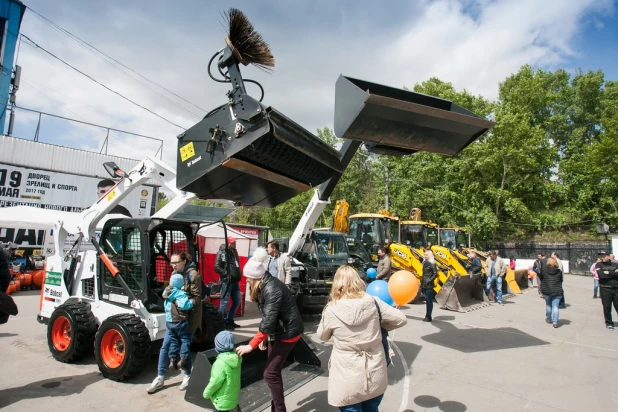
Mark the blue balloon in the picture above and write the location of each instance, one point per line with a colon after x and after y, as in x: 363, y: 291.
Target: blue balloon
x: 379, y: 289
x: 372, y: 273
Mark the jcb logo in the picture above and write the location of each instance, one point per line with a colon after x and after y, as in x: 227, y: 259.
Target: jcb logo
x: 400, y: 253
x: 442, y: 255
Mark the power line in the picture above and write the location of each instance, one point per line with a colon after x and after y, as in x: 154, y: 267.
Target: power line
x: 99, y: 83
x: 90, y: 48
x: 83, y: 122
x: 85, y: 104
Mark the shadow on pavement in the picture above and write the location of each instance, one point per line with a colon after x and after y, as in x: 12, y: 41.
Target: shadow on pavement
x: 60, y: 386
x: 7, y: 335
x: 470, y: 340
x: 428, y: 401
x: 317, y: 401
x: 396, y: 371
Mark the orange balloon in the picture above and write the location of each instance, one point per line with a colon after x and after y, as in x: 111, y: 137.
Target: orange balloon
x: 403, y: 287
x: 531, y: 273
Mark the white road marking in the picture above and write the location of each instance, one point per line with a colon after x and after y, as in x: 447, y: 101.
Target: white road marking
x: 406, y: 380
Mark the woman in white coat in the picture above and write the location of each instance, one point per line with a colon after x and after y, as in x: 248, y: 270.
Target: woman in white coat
x: 357, y: 366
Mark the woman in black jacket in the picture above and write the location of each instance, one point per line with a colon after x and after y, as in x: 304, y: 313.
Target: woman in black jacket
x: 551, y: 286
x: 430, y: 273
x: 282, y: 324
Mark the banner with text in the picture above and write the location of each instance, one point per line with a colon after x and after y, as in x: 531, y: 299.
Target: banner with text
x: 21, y: 186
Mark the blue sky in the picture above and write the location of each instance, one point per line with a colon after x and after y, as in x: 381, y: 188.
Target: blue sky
x: 474, y: 44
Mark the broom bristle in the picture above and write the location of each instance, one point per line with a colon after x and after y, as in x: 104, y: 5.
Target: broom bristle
x: 249, y: 44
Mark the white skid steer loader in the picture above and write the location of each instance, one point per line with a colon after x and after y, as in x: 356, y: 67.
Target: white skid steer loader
x: 109, y: 299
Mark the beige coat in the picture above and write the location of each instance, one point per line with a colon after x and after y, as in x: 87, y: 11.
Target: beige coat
x: 357, y: 366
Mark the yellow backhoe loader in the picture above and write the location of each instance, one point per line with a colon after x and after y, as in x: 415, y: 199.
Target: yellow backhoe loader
x: 458, y: 291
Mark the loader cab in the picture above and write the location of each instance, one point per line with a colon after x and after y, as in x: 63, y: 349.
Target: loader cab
x: 374, y: 230
x: 448, y: 238
x: 141, y: 250
x: 462, y: 237
x: 419, y: 234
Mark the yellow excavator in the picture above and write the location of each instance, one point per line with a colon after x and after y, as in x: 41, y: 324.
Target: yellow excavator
x: 516, y: 280
x: 373, y: 230
x: 458, y: 290
x: 407, y: 241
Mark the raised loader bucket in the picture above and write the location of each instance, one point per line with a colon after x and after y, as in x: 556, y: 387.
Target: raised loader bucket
x: 262, y: 161
x: 301, y: 366
x: 399, y: 122
x: 517, y: 281
x: 462, y: 294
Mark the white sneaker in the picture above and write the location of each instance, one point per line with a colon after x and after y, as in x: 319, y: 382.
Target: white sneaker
x: 185, y: 382
x: 156, y: 384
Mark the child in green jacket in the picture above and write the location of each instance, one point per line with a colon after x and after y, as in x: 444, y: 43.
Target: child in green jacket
x: 224, y: 386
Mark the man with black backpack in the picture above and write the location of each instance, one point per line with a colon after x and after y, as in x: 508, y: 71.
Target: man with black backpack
x: 537, y: 268
x: 227, y: 266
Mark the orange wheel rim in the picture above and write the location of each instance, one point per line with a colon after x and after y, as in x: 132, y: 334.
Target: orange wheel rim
x: 112, y: 349
x: 61, y: 334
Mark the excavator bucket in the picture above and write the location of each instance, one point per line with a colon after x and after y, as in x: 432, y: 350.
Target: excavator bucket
x: 517, y: 281
x: 462, y: 294
x: 261, y: 160
x: 301, y: 366
x: 399, y: 122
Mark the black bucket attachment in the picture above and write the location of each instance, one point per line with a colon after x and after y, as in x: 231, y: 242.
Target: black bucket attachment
x: 301, y: 366
x: 399, y: 122
x: 262, y: 159
x: 462, y: 294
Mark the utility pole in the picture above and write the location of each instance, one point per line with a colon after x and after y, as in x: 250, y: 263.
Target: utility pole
x: 386, y: 190
x: 14, y: 88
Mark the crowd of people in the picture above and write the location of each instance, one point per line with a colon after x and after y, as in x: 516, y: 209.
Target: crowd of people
x: 355, y: 321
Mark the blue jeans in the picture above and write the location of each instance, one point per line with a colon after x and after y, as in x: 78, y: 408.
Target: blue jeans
x: 234, y: 293
x: 551, y: 308
x: 370, y: 405
x: 177, y: 332
x: 490, y: 281
x: 596, y: 287
x: 428, y: 302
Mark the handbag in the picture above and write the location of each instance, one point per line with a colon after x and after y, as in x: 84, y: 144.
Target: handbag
x: 384, y: 333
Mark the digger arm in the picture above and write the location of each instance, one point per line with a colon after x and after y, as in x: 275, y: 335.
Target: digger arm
x: 147, y: 169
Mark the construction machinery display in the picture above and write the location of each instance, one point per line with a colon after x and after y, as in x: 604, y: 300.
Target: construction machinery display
x: 108, y: 300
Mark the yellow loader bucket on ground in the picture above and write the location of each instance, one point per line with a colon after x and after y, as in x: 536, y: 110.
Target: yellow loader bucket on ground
x: 517, y: 281
x: 462, y: 294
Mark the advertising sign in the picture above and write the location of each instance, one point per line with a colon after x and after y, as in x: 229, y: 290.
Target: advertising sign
x: 58, y: 191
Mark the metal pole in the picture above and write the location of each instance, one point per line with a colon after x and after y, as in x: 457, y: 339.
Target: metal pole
x: 38, y: 128
x: 386, y: 189
x: 105, y: 143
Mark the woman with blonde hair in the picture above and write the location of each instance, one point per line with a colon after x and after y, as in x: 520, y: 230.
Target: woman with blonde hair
x: 430, y: 273
x: 281, y: 324
x: 551, y: 285
x: 357, y: 366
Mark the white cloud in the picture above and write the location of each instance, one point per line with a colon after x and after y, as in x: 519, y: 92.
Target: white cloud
x: 473, y: 43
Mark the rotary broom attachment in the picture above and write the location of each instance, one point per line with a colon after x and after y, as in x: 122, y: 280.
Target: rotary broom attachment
x: 252, y: 154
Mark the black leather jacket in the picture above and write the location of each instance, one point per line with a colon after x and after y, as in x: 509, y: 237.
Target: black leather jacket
x: 220, y: 262
x: 430, y: 273
x: 280, y: 316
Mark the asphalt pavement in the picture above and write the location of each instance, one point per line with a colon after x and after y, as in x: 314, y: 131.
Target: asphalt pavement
x: 498, y: 358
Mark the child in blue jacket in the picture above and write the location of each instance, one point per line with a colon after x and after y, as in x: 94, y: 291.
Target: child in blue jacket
x: 176, y: 306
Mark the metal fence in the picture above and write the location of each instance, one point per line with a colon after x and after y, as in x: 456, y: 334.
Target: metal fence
x: 580, y: 255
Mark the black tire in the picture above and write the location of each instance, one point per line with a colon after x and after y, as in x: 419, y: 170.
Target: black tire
x: 126, y: 336
x: 212, y: 323
x: 77, y: 335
